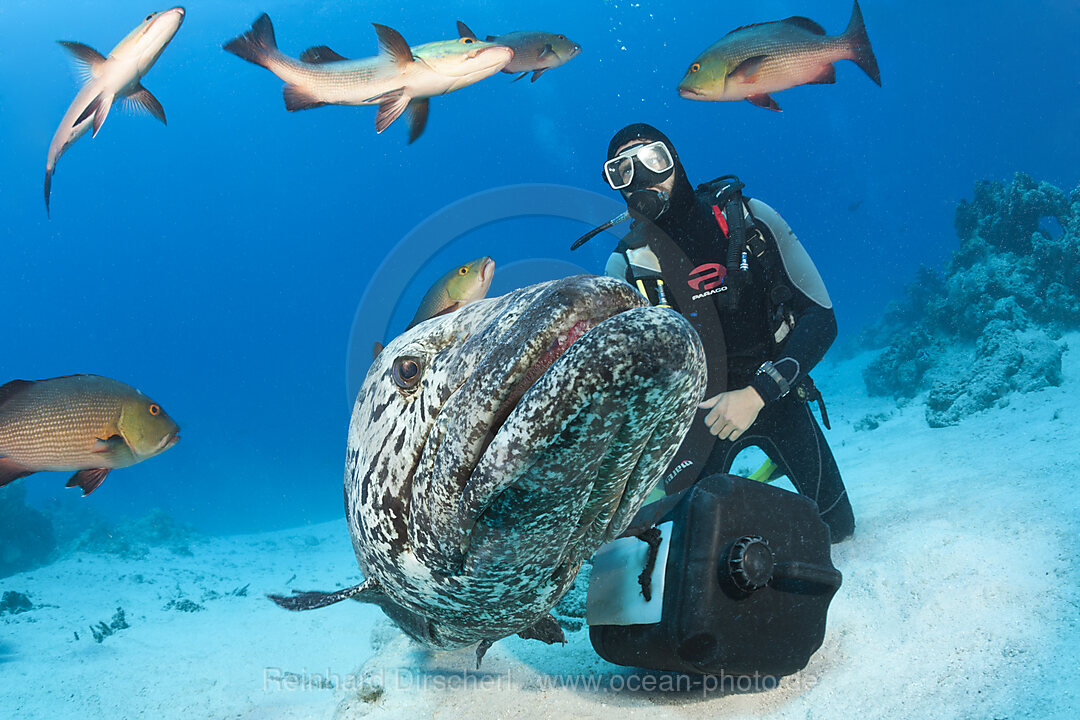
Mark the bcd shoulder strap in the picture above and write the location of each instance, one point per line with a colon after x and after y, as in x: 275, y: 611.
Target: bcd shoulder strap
x: 725, y: 192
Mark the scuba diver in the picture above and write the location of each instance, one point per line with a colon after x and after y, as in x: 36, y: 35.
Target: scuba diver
x: 736, y: 271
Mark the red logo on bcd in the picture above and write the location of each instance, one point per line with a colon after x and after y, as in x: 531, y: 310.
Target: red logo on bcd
x: 707, y: 276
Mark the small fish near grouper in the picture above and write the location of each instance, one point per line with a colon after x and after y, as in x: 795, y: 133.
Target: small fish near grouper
x: 86, y: 423
x: 458, y: 287
x: 108, y: 79
x: 534, y: 51
x: 492, y: 450
x: 752, y: 61
x: 399, y: 78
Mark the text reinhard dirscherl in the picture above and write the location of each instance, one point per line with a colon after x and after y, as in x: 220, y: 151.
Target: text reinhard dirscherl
x: 410, y: 680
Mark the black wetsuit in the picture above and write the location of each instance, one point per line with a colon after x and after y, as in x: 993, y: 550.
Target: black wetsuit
x: 785, y: 429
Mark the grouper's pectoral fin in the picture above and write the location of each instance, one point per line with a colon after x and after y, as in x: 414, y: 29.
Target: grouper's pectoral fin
x: 367, y: 591
x: 547, y: 629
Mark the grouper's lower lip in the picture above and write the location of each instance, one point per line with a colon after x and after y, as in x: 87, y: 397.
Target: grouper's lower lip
x: 690, y: 94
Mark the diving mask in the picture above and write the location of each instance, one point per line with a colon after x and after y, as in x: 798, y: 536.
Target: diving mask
x: 654, y: 157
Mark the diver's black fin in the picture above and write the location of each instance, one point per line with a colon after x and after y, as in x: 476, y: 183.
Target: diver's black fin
x: 314, y: 600
x: 764, y: 101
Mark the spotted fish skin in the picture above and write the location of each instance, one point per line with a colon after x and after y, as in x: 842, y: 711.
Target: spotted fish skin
x: 471, y: 513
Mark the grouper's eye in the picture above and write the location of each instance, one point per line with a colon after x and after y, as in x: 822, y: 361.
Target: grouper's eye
x: 467, y: 41
x: 407, y: 372
x: 149, y: 17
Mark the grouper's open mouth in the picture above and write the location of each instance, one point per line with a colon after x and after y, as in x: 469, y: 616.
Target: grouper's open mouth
x: 572, y: 312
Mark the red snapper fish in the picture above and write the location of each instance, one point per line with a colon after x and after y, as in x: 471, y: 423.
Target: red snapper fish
x: 752, y: 61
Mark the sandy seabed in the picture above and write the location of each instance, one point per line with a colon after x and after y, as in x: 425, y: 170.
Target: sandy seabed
x: 961, y: 599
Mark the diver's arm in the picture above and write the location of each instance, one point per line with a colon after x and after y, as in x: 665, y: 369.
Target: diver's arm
x: 732, y: 413
x: 815, y: 321
x: 813, y: 334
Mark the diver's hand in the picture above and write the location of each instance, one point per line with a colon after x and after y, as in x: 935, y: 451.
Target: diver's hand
x: 731, y: 413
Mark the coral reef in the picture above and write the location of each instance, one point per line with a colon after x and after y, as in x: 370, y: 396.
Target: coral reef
x: 104, y: 629
x: 15, y: 602
x: 26, y: 535
x: 133, y: 539
x: 188, y: 606
x: 990, y: 325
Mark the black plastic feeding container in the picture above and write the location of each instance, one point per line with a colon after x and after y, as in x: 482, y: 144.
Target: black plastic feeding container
x: 740, y: 583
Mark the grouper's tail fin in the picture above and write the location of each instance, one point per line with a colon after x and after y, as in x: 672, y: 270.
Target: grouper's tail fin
x: 257, y: 44
x: 366, y: 591
x: 859, y: 42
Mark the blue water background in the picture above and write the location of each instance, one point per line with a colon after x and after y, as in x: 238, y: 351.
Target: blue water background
x: 217, y: 263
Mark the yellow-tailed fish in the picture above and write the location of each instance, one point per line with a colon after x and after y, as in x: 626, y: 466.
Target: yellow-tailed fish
x: 86, y: 423
x: 534, y: 51
x: 458, y: 287
x: 399, y: 78
x: 752, y: 61
x: 118, y: 76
